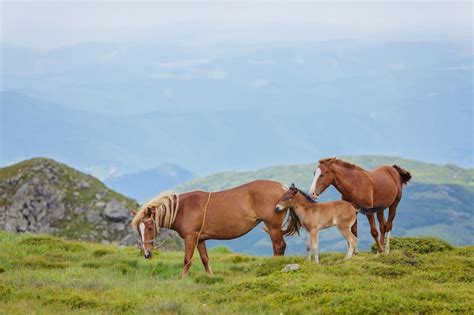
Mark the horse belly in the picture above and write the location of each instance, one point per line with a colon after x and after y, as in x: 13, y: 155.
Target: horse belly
x: 229, y: 227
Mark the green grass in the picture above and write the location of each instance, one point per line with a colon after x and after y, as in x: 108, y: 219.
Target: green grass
x: 43, y: 274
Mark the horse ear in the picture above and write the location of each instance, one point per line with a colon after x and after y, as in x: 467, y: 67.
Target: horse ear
x: 133, y: 211
x: 327, y: 160
x: 293, y: 186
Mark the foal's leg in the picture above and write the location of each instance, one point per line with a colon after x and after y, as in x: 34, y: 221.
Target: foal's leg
x: 354, y: 228
x: 381, y: 219
x: 391, y: 216
x: 373, y: 231
x: 189, y: 247
x: 350, y: 238
x: 204, y: 257
x: 314, y: 244
x: 308, y: 245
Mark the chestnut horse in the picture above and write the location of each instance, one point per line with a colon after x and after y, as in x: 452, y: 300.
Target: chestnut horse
x: 370, y: 191
x: 198, y: 216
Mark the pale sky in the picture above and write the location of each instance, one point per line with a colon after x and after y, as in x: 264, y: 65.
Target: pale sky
x: 43, y: 25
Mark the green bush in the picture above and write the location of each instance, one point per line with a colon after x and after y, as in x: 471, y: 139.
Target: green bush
x: 419, y: 245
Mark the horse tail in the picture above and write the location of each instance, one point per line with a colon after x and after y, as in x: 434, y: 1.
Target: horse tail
x: 292, y: 224
x: 405, y: 175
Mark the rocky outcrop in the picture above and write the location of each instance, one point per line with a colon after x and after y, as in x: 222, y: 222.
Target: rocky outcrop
x: 43, y: 196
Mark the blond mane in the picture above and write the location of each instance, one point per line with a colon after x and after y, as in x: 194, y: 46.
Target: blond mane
x: 165, y: 208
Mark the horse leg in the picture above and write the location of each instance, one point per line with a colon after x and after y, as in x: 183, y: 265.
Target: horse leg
x: 314, y: 244
x: 276, y: 236
x: 373, y: 231
x: 381, y: 219
x: 354, y: 228
x: 189, y: 247
x: 350, y: 238
x: 308, y: 245
x: 204, y: 257
x: 391, y: 216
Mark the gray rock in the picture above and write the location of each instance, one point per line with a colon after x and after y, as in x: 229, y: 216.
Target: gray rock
x: 100, y: 204
x: 83, y: 184
x: 291, y: 267
x: 130, y: 239
x: 79, y: 210
x: 21, y: 224
x: 93, y: 217
x: 118, y: 226
x: 115, y: 211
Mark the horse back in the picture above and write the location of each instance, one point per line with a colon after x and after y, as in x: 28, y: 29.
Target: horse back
x: 387, y: 183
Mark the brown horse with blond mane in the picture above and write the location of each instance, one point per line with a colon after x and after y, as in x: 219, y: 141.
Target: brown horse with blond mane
x: 370, y: 191
x: 198, y: 216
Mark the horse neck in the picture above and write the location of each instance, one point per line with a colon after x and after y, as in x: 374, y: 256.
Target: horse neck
x: 301, y: 205
x: 343, y: 178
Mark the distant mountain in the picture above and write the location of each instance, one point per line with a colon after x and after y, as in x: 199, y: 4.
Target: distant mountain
x: 438, y: 203
x: 145, y: 184
x: 134, y: 107
x: 44, y: 196
x: 212, y: 141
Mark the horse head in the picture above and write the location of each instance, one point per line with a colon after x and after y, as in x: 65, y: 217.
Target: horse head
x: 323, y: 177
x: 286, y: 201
x: 145, y: 224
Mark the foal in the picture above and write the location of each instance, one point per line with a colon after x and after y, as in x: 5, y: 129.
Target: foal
x: 315, y: 216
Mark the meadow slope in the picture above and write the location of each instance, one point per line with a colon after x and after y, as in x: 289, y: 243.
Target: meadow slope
x: 44, y: 274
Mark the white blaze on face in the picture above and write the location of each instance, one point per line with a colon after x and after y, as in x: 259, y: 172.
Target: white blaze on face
x: 312, y: 189
x: 142, y: 233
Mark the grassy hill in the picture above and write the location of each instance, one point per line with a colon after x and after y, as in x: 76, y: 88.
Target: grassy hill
x: 438, y: 203
x: 43, y: 196
x: 43, y: 274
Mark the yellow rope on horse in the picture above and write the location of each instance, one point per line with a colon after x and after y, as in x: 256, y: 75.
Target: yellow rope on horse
x: 200, y: 231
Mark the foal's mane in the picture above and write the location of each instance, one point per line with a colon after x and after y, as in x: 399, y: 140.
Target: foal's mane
x: 308, y: 197
x: 165, y: 209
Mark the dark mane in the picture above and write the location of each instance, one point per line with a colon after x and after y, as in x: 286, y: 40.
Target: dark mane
x: 348, y: 165
x: 308, y: 197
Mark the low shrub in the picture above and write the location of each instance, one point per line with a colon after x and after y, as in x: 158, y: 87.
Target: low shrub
x: 419, y: 245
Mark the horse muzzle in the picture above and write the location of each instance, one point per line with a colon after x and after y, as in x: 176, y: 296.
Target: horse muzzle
x: 147, y: 254
x: 278, y: 209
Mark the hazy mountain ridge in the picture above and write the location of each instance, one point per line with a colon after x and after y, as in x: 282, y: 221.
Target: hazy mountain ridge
x: 206, y: 142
